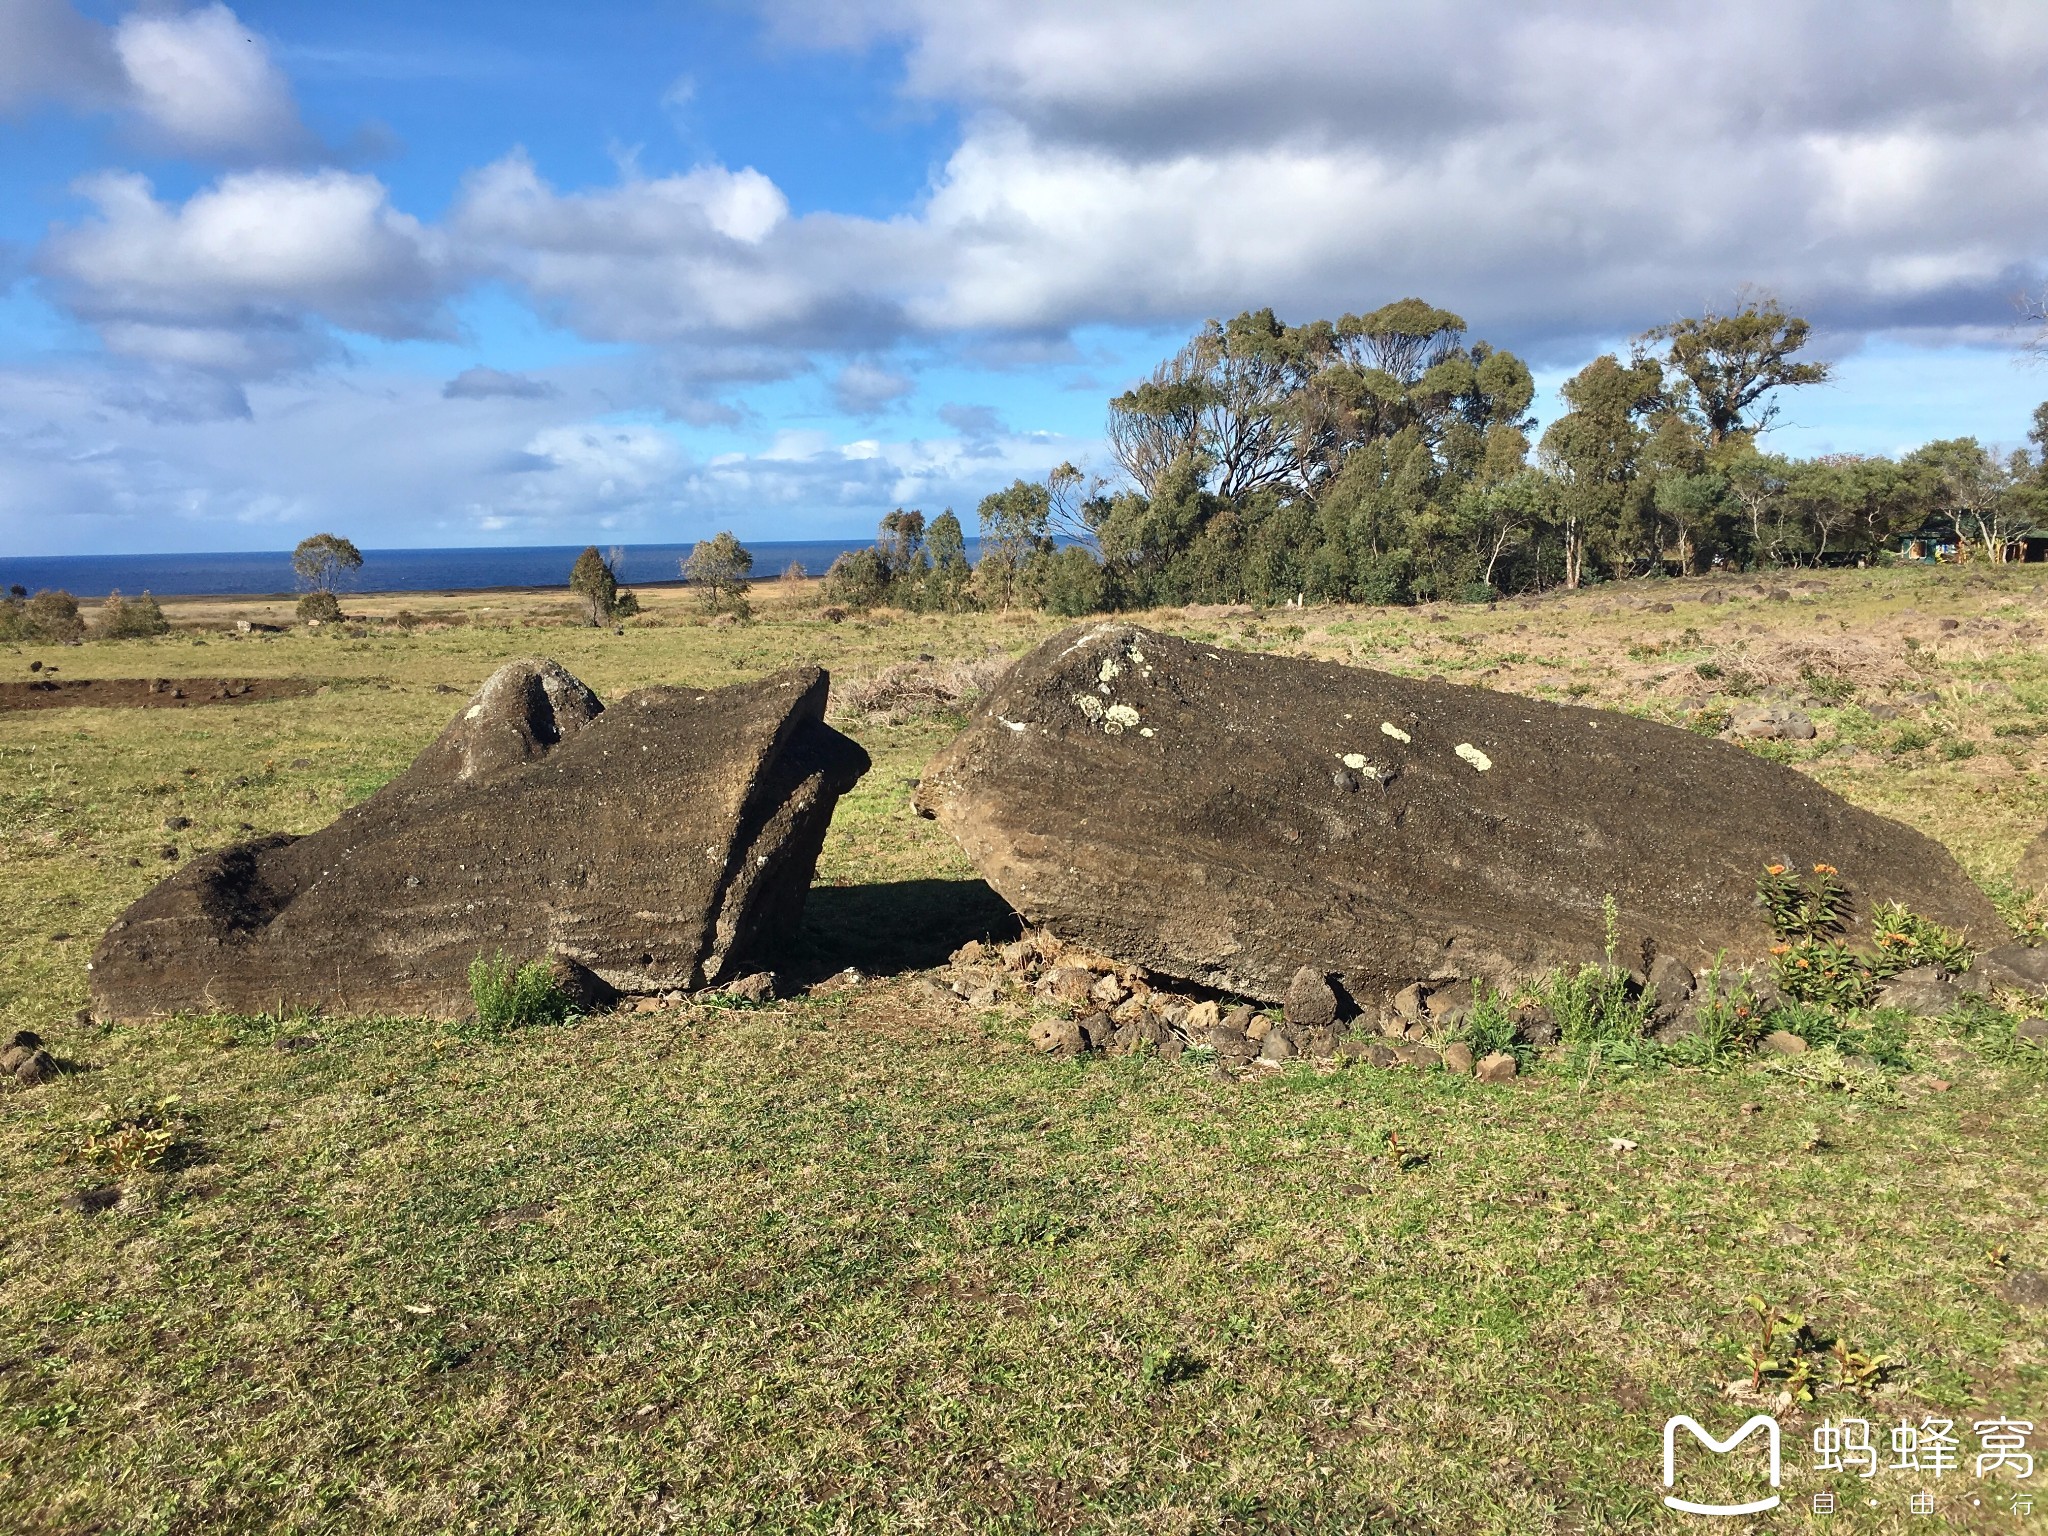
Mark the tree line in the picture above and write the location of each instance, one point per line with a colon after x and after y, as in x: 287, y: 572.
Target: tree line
x: 1387, y: 457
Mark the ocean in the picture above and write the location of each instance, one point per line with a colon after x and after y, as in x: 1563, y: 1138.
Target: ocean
x: 384, y: 570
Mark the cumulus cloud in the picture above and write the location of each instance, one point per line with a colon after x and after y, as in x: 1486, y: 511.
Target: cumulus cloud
x: 708, y: 253
x: 1552, y: 170
x: 246, y: 279
x: 865, y: 389
x: 198, y: 82
x: 480, y: 383
x: 205, y: 84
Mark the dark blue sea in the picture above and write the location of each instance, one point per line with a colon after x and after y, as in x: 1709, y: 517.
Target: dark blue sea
x: 384, y: 570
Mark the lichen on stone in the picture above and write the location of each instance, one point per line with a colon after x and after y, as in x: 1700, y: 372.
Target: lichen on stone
x: 1388, y: 728
x: 1474, y: 756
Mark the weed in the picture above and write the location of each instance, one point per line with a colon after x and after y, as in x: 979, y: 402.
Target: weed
x: 1030, y: 1228
x: 1857, y: 1370
x: 2024, y: 912
x: 1803, y: 908
x: 1828, y: 687
x: 1731, y: 1020
x: 1708, y: 670
x: 1994, y: 1030
x: 1160, y: 1368
x: 138, y: 1136
x: 509, y: 998
x: 1777, y: 1339
x: 1824, y: 971
x: 1905, y: 942
x: 1490, y: 1028
x: 1593, y: 1005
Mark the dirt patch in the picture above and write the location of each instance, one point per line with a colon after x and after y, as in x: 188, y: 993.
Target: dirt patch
x: 149, y: 693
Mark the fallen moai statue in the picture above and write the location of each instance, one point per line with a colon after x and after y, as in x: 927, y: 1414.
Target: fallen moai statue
x: 653, y: 845
x: 1228, y: 818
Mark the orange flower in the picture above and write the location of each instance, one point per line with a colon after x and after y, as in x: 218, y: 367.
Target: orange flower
x: 1805, y: 964
x: 1774, y: 869
x: 1825, y: 869
x: 1781, y: 949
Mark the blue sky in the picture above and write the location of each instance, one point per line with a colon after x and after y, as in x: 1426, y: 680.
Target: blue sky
x: 516, y: 273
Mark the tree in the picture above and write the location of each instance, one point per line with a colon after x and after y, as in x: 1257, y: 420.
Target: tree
x: 1727, y: 364
x: 1066, y: 581
x: 946, y: 543
x: 1013, y: 528
x: 1987, y: 499
x: 1227, y: 396
x: 902, y: 544
x: 323, y: 561
x: 718, y: 566
x: 596, y: 581
x: 1593, y: 450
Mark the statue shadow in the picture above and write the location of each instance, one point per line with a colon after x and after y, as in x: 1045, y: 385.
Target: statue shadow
x: 893, y: 927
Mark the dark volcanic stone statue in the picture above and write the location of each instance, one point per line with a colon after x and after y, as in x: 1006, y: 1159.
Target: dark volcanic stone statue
x: 1229, y: 818
x: 656, y: 844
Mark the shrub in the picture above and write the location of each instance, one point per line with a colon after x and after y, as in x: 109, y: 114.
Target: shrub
x: 51, y: 616
x: 119, y: 619
x: 320, y: 608
x: 858, y: 579
x: 508, y: 998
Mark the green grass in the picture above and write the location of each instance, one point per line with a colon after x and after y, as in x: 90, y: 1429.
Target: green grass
x: 859, y: 1260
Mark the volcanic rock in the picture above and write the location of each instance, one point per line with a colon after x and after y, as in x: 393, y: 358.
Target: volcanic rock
x: 658, y: 844
x: 1171, y: 804
x: 1310, y: 1003
x: 2032, y: 874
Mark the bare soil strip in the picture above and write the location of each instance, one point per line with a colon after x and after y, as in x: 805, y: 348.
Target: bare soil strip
x: 149, y: 693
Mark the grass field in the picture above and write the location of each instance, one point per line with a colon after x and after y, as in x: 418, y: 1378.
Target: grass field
x: 861, y: 1261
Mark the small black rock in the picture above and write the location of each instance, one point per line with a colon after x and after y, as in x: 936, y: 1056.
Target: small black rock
x: 90, y: 1202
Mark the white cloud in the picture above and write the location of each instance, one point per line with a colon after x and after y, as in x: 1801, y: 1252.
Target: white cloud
x: 866, y: 389
x: 244, y: 278
x: 206, y: 83
x: 708, y: 253
x: 1553, y: 170
x: 538, y: 470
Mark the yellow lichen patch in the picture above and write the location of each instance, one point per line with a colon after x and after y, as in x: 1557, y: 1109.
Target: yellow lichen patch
x: 1388, y: 728
x: 1474, y: 756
